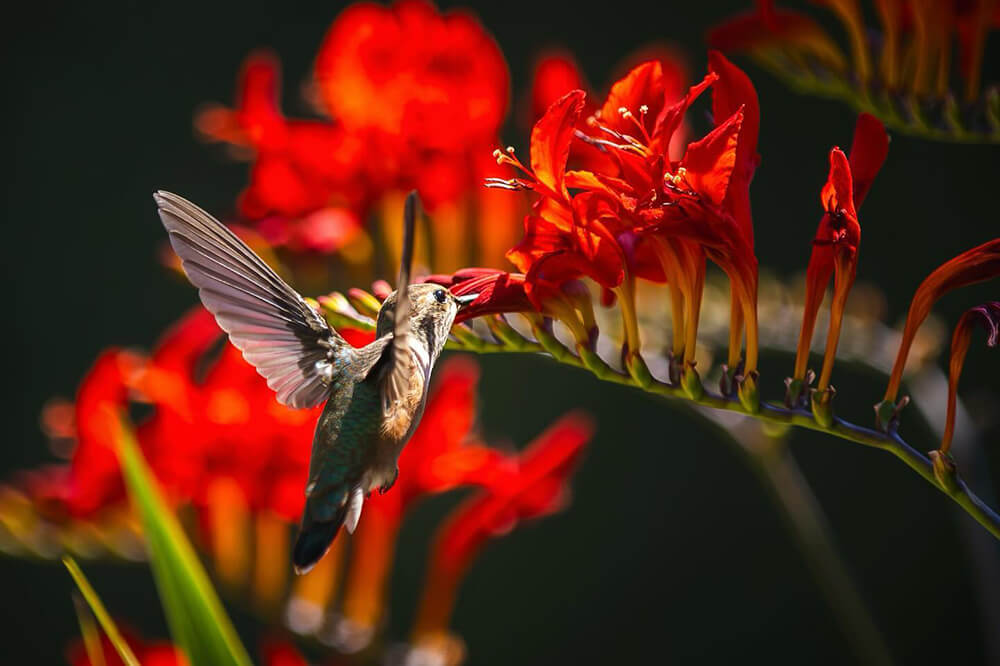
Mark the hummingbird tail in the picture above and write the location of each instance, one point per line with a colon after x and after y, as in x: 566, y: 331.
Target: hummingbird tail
x: 314, y: 540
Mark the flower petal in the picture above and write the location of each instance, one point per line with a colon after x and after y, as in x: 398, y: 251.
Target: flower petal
x: 868, y: 153
x: 732, y: 92
x: 551, y: 139
x: 710, y: 161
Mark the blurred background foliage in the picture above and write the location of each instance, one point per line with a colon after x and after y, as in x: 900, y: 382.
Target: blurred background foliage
x: 671, y: 550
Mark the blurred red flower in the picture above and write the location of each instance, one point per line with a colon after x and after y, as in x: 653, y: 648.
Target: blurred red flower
x: 436, y: 81
x: 414, y: 99
x: 535, y: 484
x: 158, y: 653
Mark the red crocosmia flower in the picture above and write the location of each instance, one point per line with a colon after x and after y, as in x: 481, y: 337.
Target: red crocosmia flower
x: 299, y: 165
x: 646, y: 216
x: 159, y: 653
x: 92, y: 479
x: 276, y: 652
x: 435, y: 79
x: 499, y: 291
x: 213, y: 419
x: 989, y: 316
x: 556, y: 73
x: 972, y: 266
x: 535, y: 485
x: 835, y: 248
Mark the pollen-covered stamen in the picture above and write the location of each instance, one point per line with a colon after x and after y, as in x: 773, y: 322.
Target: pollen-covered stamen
x: 508, y: 157
x: 629, y: 141
x: 675, y: 182
x: 639, y: 122
x: 513, y: 184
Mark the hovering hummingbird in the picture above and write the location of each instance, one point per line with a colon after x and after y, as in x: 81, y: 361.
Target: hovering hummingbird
x: 374, y: 395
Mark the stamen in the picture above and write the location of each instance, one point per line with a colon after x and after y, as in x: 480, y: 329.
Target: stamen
x: 511, y: 159
x: 513, y: 184
x: 632, y: 143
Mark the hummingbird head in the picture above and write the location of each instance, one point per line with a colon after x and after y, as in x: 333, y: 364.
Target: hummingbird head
x: 432, y: 313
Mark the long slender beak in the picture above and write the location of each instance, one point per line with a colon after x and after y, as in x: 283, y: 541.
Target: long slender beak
x: 466, y: 299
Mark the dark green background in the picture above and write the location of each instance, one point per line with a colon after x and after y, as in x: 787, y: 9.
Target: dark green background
x: 671, y: 551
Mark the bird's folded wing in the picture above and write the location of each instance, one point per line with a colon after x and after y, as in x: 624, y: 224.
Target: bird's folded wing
x: 288, y: 342
x: 399, y: 374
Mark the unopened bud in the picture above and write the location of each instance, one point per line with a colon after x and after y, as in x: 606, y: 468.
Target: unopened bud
x: 822, y: 406
x: 797, y: 390
x: 944, y: 471
x: 749, y: 392
x: 887, y: 413
x: 637, y: 367
x: 691, y: 382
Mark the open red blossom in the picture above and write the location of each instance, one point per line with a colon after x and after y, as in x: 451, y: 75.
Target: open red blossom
x: 643, y: 214
x: 498, y: 291
x: 438, y: 80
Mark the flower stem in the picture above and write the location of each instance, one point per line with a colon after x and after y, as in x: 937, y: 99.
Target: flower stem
x: 889, y: 441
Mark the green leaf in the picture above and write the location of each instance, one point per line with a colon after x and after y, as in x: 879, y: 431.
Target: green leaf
x: 101, y: 613
x: 197, y: 620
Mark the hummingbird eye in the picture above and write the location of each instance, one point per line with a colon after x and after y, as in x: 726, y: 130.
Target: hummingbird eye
x: 440, y: 296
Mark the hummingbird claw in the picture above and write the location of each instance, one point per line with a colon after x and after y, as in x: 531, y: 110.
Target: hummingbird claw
x: 384, y: 488
x: 354, y: 506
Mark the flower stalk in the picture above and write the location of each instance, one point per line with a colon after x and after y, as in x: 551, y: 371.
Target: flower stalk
x: 768, y: 412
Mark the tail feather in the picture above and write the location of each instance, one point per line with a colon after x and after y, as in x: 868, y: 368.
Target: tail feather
x: 314, y: 540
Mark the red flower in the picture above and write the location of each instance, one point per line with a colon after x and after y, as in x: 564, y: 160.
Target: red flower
x: 438, y: 80
x: 535, y: 485
x: 300, y: 166
x: 989, y: 316
x: 160, y: 653
x: 556, y: 73
x: 498, y: 291
x: 835, y: 248
x: 646, y: 215
x: 972, y: 266
x: 414, y: 97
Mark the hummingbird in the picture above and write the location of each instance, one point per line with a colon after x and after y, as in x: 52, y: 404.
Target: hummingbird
x: 375, y: 395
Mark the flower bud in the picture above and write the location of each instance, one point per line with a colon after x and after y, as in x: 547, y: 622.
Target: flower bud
x: 637, y: 367
x: 822, y: 406
x: 691, y: 382
x: 797, y: 390
x: 749, y: 393
x: 944, y: 470
x: 887, y: 413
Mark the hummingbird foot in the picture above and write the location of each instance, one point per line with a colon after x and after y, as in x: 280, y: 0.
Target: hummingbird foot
x: 384, y: 488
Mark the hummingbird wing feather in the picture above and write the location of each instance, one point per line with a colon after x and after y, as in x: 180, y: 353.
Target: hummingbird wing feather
x: 400, y: 371
x: 288, y: 342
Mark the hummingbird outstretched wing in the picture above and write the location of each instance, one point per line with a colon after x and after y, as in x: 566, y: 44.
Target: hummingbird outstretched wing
x: 401, y: 371
x: 288, y: 342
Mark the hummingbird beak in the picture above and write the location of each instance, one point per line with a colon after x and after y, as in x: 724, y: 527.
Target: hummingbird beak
x: 466, y: 299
